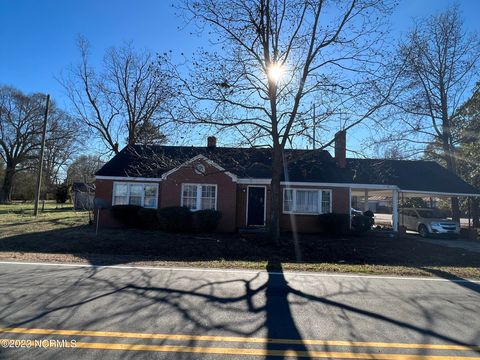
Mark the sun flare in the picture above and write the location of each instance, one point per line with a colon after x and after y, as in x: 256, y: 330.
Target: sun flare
x: 275, y: 72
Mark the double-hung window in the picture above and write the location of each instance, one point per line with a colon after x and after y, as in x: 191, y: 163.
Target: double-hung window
x: 145, y: 195
x: 307, y: 201
x: 199, y: 196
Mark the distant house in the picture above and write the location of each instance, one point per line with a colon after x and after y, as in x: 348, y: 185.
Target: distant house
x: 236, y: 181
x: 83, y: 195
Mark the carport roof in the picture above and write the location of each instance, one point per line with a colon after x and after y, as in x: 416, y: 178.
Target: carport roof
x: 418, y: 177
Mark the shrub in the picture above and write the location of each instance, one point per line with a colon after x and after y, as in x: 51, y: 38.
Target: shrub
x: 369, y: 213
x: 334, y: 223
x: 362, y: 223
x: 127, y: 215
x: 61, y: 193
x: 175, y: 219
x: 149, y: 218
x: 206, y: 221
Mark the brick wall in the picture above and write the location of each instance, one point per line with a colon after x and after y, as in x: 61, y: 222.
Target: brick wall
x: 104, y: 190
x: 231, y: 200
x: 226, y: 198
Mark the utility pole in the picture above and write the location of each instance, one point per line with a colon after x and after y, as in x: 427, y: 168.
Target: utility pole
x: 314, y: 128
x: 42, y: 151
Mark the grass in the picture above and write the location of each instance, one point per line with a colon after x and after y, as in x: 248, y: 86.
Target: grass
x: 17, y: 218
x: 60, y: 234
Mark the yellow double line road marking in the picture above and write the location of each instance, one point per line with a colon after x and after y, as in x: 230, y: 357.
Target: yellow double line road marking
x: 248, y: 351
x: 261, y: 352
x: 182, y: 337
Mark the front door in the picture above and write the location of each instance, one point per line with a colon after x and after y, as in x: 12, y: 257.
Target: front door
x: 256, y: 206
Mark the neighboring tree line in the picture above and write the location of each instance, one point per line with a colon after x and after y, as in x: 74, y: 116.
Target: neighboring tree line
x: 437, y: 66
x: 466, y: 149
x: 127, y: 102
x: 21, y: 124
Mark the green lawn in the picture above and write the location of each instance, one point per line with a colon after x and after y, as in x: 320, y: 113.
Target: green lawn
x: 60, y: 234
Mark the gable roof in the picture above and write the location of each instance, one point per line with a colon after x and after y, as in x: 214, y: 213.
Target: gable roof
x: 255, y: 163
x: 304, y: 166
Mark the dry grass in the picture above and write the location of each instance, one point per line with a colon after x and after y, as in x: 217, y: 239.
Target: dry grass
x: 60, y: 234
x: 17, y: 218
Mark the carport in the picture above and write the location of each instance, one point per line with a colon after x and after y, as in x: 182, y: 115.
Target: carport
x: 400, y: 179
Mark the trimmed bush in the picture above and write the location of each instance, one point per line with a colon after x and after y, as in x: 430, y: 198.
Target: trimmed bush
x: 175, y: 219
x: 334, y: 223
x: 206, y: 221
x: 369, y: 213
x: 362, y: 223
x: 149, y: 218
x: 127, y: 215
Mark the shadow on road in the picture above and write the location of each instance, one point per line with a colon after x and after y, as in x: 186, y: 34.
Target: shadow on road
x: 280, y: 322
x: 458, y: 280
x: 118, y: 246
x: 257, y: 305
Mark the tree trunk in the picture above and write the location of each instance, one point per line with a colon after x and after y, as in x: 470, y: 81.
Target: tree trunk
x: 6, y: 192
x: 475, y: 212
x: 451, y: 166
x: 455, y: 209
x: 277, y: 168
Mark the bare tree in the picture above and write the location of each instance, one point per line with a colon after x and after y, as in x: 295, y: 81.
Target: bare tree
x: 274, y: 60
x: 83, y: 169
x: 21, y: 123
x: 63, y: 140
x: 129, y: 99
x: 439, y: 61
x: 21, y: 118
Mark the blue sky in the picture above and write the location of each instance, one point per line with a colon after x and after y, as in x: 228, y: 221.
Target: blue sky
x: 37, y: 38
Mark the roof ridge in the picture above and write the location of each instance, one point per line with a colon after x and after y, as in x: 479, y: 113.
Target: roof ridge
x: 217, y: 147
x: 383, y: 159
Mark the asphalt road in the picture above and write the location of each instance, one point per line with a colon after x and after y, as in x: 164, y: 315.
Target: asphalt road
x: 195, y: 314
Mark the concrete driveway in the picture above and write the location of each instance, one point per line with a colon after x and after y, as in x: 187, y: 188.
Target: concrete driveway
x: 454, y: 243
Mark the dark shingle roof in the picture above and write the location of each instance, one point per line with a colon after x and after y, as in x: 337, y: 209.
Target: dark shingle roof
x: 302, y: 165
x: 415, y: 175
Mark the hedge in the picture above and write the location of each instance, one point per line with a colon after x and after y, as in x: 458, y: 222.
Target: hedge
x: 334, y: 223
x: 175, y: 219
x: 127, y: 215
x: 206, y: 221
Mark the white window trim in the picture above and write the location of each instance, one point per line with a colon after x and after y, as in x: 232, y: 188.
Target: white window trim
x: 128, y: 192
x: 199, y: 194
x: 295, y: 196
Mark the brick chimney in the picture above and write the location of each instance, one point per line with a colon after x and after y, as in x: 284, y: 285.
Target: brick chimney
x: 212, y: 142
x: 341, y: 148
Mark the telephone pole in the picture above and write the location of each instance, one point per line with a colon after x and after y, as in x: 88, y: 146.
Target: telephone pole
x: 42, y: 151
x: 314, y: 128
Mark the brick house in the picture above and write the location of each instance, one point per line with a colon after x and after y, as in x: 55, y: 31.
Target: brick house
x: 236, y: 181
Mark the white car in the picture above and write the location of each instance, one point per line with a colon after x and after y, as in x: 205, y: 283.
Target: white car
x: 428, y: 222
x: 354, y: 211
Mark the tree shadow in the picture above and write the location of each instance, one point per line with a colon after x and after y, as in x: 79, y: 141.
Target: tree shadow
x: 273, y: 318
x: 454, y: 278
x: 280, y: 322
x: 256, y: 304
x: 118, y: 246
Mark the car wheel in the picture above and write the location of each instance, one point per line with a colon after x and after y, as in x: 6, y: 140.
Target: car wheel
x: 423, y: 231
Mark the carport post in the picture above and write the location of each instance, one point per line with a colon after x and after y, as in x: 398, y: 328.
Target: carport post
x: 395, y: 210
x: 365, y: 201
x: 469, y: 212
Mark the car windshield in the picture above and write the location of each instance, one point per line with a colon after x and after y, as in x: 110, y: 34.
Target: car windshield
x: 430, y: 214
